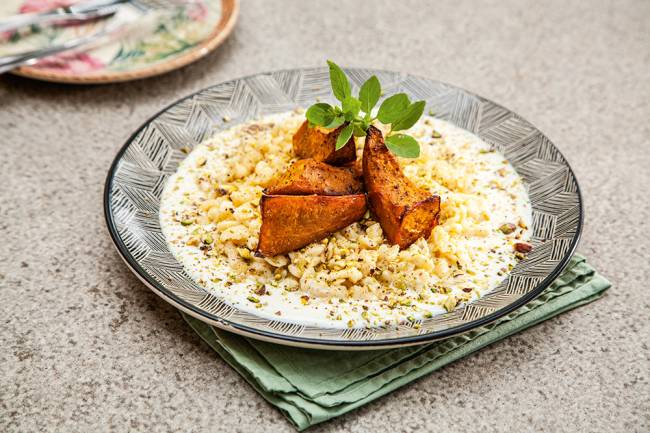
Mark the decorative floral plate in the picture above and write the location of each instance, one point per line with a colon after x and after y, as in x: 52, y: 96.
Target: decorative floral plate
x: 146, y: 46
x: 138, y: 174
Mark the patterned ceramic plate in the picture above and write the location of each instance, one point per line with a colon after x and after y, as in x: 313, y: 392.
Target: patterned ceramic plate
x: 145, y: 46
x: 152, y: 154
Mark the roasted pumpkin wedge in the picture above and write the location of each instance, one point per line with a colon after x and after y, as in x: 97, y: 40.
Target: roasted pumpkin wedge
x: 405, y: 211
x: 290, y: 222
x: 308, y: 176
x: 320, y: 143
x: 356, y: 168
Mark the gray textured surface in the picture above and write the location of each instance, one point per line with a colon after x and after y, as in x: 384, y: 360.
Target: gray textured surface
x: 86, y: 347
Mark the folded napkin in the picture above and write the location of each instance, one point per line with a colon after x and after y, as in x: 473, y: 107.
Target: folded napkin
x: 312, y: 386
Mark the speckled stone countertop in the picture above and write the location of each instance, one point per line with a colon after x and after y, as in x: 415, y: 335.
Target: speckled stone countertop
x: 86, y: 347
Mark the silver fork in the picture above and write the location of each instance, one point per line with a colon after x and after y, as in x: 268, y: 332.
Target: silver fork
x: 81, y: 11
x: 143, y: 6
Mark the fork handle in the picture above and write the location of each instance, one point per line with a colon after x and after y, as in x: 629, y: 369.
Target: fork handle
x: 28, y: 19
x: 8, y: 63
x: 23, y: 20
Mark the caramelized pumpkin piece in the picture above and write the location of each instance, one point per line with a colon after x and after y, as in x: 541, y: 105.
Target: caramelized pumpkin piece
x: 290, y: 222
x: 356, y: 168
x: 308, y: 176
x: 320, y: 144
x: 405, y: 211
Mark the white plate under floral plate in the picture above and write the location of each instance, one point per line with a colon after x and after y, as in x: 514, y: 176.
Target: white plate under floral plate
x: 152, y: 45
x: 138, y: 174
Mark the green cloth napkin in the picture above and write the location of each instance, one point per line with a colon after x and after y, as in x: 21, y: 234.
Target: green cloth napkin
x: 312, y: 386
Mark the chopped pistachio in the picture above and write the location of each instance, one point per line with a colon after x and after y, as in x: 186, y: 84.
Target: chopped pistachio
x: 253, y: 299
x: 450, y: 303
x: 507, y: 228
x: 441, y: 289
x: 245, y: 253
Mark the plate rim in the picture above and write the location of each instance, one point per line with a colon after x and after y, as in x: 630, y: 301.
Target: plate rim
x: 217, y: 36
x: 310, y: 342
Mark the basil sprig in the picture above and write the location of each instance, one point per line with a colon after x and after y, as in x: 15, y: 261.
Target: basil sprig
x: 397, y: 111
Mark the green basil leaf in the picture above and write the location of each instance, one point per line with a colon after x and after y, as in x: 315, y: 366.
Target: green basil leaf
x: 403, y: 145
x: 369, y: 94
x: 393, y: 108
x: 338, y: 121
x: 340, y: 83
x: 321, y: 114
x: 351, y: 105
x: 411, y: 115
x: 344, y: 136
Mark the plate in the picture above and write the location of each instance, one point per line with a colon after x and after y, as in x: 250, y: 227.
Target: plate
x: 138, y: 174
x: 158, y: 44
